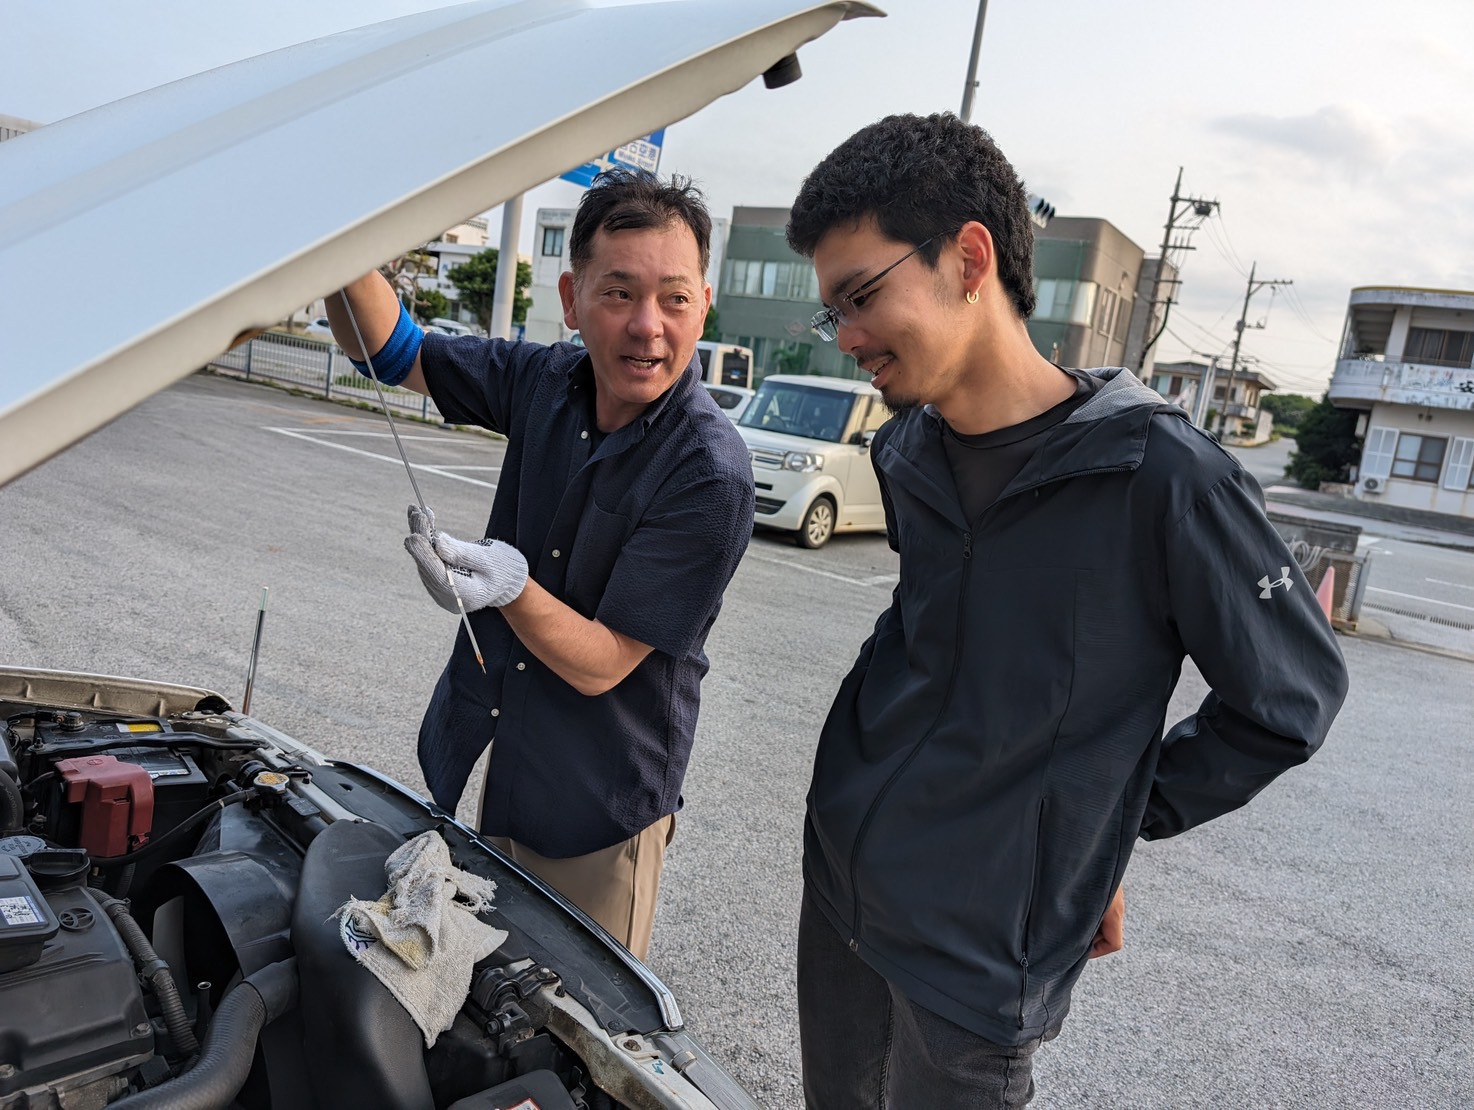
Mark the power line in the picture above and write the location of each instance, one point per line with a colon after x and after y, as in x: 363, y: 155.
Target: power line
x: 1223, y: 227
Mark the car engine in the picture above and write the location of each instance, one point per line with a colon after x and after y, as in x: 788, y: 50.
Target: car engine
x: 168, y: 886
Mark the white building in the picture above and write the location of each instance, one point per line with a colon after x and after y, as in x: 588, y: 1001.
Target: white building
x: 552, y: 254
x: 13, y: 127
x: 1407, y: 366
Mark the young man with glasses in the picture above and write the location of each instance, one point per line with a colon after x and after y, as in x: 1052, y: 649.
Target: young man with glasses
x: 1065, y: 539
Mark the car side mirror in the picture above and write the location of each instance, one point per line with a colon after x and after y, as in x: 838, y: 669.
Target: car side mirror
x: 862, y: 439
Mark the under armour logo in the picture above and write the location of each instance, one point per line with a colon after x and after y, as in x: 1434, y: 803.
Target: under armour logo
x: 1266, y: 587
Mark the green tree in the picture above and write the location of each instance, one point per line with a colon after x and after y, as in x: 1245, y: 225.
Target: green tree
x: 1288, y: 409
x: 475, y: 279
x: 430, y: 303
x: 792, y: 358
x: 1327, y: 446
x: 712, y: 331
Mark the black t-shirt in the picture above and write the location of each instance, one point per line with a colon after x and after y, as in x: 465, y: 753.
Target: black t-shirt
x: 983, y: 465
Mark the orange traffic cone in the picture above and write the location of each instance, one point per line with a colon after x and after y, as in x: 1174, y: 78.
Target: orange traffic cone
x: 1326, y: 592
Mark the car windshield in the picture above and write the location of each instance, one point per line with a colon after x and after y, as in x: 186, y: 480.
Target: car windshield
x: 799, y: 410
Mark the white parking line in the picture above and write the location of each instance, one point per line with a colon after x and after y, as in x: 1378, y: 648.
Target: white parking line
x: 394, y: 459
x: 1415, y: 597
x: 1444, y: 582
x: 874, y: 580
x: 375, y: 435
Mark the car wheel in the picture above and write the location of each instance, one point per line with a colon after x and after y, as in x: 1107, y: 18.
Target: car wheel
x: 818, y: 524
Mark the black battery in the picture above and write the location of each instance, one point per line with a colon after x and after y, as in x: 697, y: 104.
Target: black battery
x: 180, y: 787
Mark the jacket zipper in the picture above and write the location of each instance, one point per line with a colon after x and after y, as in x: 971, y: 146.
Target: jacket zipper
x: 854, y: 942
x: 1029, y: 907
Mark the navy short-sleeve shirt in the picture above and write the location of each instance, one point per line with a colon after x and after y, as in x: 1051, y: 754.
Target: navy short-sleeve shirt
x: 640, y: 529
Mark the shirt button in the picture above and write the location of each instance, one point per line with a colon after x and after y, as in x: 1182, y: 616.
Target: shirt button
x: 496, y: 712
x: 556, y: 553
x: 521, y: 666
x: 583, y: 434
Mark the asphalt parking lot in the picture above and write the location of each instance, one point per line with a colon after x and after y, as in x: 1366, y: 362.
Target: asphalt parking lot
x: 1312, y: 950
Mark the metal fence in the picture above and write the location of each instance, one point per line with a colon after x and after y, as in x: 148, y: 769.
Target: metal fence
x: 317, y: 366
x: 1352, y: 571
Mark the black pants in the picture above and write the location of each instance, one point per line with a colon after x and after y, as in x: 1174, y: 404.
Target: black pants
x: 864, y: 1044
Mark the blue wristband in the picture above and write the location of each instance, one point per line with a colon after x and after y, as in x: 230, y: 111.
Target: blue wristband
x: 396, y: 358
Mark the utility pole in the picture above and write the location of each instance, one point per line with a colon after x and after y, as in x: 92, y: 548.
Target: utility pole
x: 1195, y: 207
x: 972, y: 64
x: 1238, y: 339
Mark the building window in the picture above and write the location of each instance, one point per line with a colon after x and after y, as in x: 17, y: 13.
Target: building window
x: 787, y: 281
x: 1438, y: 347
x: 1418, y: 457
x: 552, y: 242
x: 1105, y: 315
x: 1376, y: 455
x: 1460, y: 465
x: 1082, y: 311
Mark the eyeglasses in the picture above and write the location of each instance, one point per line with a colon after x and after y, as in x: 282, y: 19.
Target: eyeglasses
x: 827, y: 320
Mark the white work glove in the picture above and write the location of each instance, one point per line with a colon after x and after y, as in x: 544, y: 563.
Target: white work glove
x: 486, y: 573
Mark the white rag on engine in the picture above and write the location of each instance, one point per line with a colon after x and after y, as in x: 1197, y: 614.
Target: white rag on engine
x: 422, y: 937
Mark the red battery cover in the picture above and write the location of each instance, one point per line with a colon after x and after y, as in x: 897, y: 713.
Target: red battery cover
x: 117, y: 802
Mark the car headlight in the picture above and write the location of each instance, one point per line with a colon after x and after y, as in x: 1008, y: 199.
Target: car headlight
x: 802, y: 461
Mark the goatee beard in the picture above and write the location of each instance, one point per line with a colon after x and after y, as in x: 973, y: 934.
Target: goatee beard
x: 897, y: 404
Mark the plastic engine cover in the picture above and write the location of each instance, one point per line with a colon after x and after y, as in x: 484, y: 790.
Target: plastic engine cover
x: 75, y: 1015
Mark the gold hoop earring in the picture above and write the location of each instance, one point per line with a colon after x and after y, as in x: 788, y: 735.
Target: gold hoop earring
x: 972, y: 296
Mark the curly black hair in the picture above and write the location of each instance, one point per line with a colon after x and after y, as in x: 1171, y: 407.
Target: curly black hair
x: 628, y: 200
x: 918, y: 177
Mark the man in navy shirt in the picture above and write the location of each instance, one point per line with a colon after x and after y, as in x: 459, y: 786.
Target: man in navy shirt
x: 623, y: 507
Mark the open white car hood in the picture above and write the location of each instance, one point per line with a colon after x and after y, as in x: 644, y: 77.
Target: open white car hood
x: 220, y: 203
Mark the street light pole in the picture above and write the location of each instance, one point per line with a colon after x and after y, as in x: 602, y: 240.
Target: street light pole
x: 972, y: 63
x: 506, y: 270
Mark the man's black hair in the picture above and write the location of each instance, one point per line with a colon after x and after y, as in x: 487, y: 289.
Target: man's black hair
x: 629, y: 200
x: 920, y: 176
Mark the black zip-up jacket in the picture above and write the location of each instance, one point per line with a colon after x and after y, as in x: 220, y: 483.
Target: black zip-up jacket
x: 998, y: 746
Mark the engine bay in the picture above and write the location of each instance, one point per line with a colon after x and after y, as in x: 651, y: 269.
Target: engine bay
x: 168, y: 886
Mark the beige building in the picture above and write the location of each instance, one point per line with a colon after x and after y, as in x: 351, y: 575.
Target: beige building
x: 1086, y: 273
x: 1232, y: 410
x: 1407, y: 367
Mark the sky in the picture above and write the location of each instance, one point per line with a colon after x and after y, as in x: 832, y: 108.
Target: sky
x: 1333, y: 133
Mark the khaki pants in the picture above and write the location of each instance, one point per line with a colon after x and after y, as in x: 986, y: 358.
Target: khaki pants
x: 616, y: 886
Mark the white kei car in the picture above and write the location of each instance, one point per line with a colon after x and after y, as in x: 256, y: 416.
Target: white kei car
x: 809, y: 441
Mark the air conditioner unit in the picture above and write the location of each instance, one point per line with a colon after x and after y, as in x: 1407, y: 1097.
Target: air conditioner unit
x: 1373, y: 485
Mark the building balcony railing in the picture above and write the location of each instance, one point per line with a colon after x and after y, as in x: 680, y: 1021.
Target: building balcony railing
x: 1403, y: 383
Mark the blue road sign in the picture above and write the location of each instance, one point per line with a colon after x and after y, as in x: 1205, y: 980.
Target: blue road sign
x: 641, y: 154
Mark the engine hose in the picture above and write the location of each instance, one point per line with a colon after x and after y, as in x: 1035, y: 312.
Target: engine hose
x: 12, y: 806
x: 157, y: 972
x: 230, y: 1045
x: 177, y: 833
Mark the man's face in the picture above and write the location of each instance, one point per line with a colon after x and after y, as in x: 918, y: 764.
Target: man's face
x: 898, y: 329
x: 640, y: 305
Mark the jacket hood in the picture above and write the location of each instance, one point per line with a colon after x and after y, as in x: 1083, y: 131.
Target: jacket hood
x: 1108, y: 432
